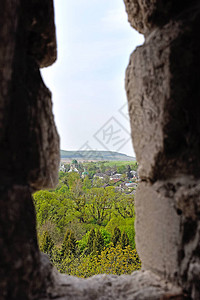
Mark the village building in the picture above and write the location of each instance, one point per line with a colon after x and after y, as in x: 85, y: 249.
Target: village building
x: 84, y: 174
x: 62, y: 168
x: 73, y: 169
x: 116, y: 176
x: 100, y: 175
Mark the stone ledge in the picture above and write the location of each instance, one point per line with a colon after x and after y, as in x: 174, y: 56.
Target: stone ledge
x: 141, y: 285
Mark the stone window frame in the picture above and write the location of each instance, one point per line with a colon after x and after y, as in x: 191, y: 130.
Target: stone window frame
x: 161, y: 77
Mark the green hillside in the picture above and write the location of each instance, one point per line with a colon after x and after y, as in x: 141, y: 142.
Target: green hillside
x: 95, y: 156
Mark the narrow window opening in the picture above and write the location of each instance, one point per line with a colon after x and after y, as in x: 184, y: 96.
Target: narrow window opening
x: 86, y: 225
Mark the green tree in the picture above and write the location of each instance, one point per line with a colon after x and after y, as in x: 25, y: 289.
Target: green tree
x: 92, y: 169
x: 98, y: 243
x: 63, y: 247
x: 72, y: 179
x: 100, y: 203
x: 126, y: 225
x: 116, y: 236
x: 72, y: 243
x: 74, y: 162
x: 61, y: 174
x: 121, y: 169
x: 47, y: 243
x: 90, y: 241
x: 87, y: 183
x: 107, y: 179
x: 77, y: 187
x: 64, y: 179
x: 97, y: 182
x: 124, y: 241
x: 55, y: 207
x: 79, y: 206
x: 102, y: 167
x: 43, y: 200
x: 69, y: 245
x: 112, y: 260
x: 129, y: 175
x: 134, y: 166
x: 124, y: 205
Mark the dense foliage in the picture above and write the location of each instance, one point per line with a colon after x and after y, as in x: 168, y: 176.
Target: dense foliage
x: 86, y: 225
x: 112, y: 260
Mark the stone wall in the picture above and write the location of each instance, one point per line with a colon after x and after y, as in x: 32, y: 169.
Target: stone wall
x: 162, y: 84
x: 29, y: 144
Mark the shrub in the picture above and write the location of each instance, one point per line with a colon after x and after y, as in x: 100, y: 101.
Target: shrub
x: 90, y: 242
x: 47, y: 243
x: 124, y: 241
x: 112, y: 260
x: 126, y: 225
x: 116, y: 236
x: 98, y: 243
x: 69, y: 244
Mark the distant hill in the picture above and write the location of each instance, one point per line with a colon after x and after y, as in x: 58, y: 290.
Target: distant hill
x: 94, y: 156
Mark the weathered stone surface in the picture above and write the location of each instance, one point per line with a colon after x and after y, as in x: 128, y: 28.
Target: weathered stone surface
x: 162, y: 84
x: 139, y: 13
x: 165, y: 128
x: 141, y: 285
x: 170, y: 209
x: 35, y: 132
x: 29, y: 143
x: 185, y: 192
x: 179, y: 199
x: 28, y: 138
x: 168, y: 230
x: 158, y: 230
x: 145, y: 15
x: 19, y: 257
x: 41, y: 35
x: 8, y: 28
x: 147, y: 87
x: 163, y: 93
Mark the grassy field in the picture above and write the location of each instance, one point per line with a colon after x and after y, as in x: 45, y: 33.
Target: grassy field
x: 111, y: 164
x: 119, y: 163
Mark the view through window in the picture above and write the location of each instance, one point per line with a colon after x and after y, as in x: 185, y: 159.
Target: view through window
x: 86, y: 225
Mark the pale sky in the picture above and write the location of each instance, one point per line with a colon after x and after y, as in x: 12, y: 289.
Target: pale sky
x: 94, y: 41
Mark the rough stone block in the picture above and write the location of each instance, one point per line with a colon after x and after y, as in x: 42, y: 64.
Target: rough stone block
x: 157, y: 230
x: 41, y: 32
x: 146, y: 15
x: 19, y: 257
x: 163, y: 93
x: 141, y: 285
x: 168, y: 230
x: 29, y: 143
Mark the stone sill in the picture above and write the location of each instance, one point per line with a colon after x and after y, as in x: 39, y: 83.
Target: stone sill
x: 140, y: 285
